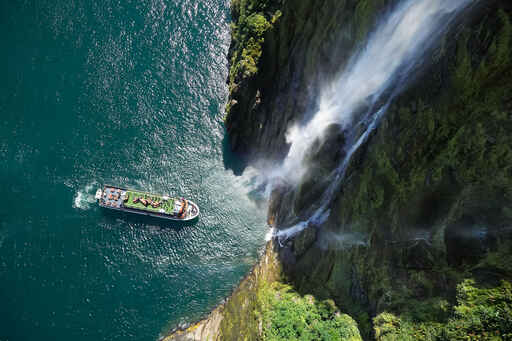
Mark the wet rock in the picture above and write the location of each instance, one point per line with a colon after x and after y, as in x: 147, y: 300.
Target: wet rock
x: 303, y: 241
x: 321, y: 160
x: 287, y: 257
x: 278, y: 208
x: 467, y: 241
x: 328, y: 151
x: 418, y: 255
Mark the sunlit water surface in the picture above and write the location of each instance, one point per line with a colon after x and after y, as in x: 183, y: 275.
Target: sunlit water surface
x: 128, y: 93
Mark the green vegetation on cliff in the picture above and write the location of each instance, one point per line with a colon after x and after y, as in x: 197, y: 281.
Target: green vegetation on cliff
x: 251, y: 19
x: 282, y: 52
x: 288, y: 316
x: 431, y: 191
x: 461, y: 132
x: 264, y: 308
x: 480, y: 314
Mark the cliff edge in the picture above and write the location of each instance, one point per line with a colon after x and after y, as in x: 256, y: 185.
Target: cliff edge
x: 425, y: 203
x: 418, y: 241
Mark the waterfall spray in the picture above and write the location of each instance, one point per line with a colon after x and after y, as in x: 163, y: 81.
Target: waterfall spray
x: 379, y: 71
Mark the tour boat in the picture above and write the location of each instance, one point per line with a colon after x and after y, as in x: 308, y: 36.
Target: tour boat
x: 155, y: 205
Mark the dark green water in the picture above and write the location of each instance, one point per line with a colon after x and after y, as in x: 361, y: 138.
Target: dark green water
x: 128, y: 93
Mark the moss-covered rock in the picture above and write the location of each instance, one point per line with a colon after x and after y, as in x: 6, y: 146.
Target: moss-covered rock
x: 432, y: 188
x: 239, y: 318
x: 426, y: 202
x: 264, y: 308
x: 480, y: 314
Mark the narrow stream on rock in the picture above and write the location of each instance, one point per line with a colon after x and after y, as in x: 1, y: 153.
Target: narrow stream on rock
x: 361, y: 95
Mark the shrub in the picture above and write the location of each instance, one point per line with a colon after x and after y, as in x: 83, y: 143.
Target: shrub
x: 257, y: 24
x: 480, y: 314
x: 288, y: 316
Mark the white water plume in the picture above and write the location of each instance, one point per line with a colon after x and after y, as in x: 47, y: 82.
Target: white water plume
x: 339, y: 241
x: 373, y: 77
x: 268, y: 236
x: 283, y: 235
x: 255, y: 184
x: 394, y: 48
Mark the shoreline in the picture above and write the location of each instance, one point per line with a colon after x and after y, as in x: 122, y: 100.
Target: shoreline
x: 267, y: 269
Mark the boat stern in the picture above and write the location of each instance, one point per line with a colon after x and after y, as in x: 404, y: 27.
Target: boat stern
x: 98, y: 194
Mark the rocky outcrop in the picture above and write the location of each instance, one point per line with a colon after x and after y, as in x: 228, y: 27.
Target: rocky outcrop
x: 260, y: 304
x: 235, y: 317
x: 207, y: 329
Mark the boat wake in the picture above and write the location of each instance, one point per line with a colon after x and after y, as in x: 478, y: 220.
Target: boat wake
x: 84, y: 197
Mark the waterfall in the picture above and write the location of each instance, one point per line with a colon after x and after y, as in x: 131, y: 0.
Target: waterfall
x: 360, y: 96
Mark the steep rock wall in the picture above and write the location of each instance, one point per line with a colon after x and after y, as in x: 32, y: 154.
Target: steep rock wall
x: 275, y: 76
x: 257, y: 308
x: 427, y: 201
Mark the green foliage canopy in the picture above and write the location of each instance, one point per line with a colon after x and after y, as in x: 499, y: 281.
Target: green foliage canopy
x: 288, y: 316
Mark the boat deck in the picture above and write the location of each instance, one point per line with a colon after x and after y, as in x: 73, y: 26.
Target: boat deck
x: 146, y: 203
x: 166, y: 206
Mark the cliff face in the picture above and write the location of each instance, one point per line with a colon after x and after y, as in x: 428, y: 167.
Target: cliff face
x: 260, y: 305
x: 236, y: 316
x: 280, y: 52
x: 427, y: 201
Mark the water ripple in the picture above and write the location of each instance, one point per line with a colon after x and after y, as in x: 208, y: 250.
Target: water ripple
x: 129, y: 93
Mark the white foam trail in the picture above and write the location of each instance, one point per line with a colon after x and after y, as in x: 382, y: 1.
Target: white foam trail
x: 383, y: 65
x: 85, y: 197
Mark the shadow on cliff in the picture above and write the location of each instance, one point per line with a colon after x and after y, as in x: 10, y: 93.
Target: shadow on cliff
x: 231, y: 160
